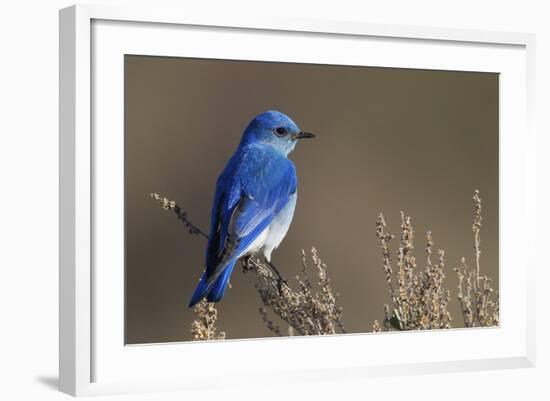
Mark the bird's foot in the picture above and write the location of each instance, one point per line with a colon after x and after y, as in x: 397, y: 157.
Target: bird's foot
x: 281, y: 281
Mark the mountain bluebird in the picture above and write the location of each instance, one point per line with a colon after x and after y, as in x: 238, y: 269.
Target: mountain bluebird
x: 254, y: 200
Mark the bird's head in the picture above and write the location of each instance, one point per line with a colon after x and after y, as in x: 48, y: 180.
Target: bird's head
x: 275, y: 129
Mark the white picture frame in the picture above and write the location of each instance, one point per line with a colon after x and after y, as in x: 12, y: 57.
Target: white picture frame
x: 93, y: 357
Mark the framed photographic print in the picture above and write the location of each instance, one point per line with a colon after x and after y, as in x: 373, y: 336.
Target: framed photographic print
x: 290, y: 200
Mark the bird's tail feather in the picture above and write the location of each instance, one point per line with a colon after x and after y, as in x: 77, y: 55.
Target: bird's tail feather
x: 218, y: 289
x: 214, y: 290
x: 200, y: 291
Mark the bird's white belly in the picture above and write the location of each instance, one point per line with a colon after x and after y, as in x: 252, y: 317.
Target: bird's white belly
x: 272, y: 236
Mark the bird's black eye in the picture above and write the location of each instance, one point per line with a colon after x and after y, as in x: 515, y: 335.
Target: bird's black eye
x: 280, y: 131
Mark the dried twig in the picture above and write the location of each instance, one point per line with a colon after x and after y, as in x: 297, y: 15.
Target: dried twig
x: 204, y: 326
x: 419, y: 300
x: 167, y: 204
x: 478, y: 300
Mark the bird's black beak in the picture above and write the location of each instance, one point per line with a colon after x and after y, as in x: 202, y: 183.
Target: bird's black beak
x: 304, y: 135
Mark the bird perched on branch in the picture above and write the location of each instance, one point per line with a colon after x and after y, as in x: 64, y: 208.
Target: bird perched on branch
x: 254, y: 201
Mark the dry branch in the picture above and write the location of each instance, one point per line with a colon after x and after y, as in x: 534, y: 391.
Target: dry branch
x: 419, y: 300
x: 172, y: 206
x: 204, y: 326
x: 478, y: 300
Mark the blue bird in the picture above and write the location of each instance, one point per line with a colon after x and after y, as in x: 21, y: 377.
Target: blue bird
x: 254, y: 201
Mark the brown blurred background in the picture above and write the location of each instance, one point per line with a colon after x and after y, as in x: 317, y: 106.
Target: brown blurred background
x: 388, y: 140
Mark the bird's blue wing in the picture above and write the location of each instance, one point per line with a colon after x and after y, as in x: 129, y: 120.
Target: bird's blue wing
x: 225, y: 199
